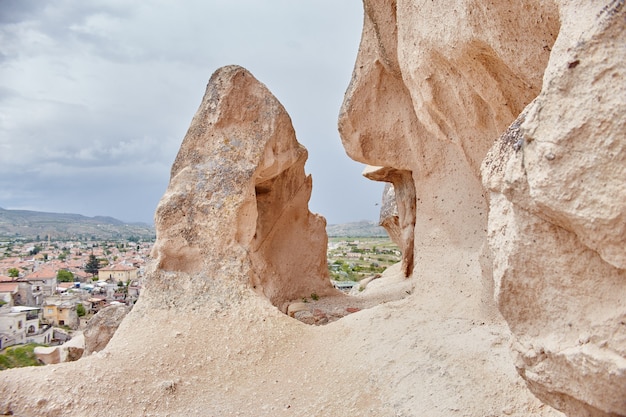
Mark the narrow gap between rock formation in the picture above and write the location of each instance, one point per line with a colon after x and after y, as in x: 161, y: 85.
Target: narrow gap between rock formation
x: 316, y: 308
x: 377, y: 289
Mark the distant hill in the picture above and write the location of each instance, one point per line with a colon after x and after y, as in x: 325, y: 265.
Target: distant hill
x: 363, y: 228
x: 30, y: 224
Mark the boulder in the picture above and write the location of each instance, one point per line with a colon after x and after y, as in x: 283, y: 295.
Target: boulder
x: 102, y: 326
x: 48, y: 355
x: 75, y: 347
x: 70, y: 351
x: 296, y: 307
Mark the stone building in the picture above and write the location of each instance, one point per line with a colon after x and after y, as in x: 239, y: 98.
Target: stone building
x: 116, y: 273
x: 20, y: 325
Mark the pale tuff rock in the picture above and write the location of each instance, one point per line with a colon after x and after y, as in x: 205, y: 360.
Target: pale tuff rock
x: 201, y: 341
x: 102, y: 326
x: 69, y: 351
x: 432, y: 88
x: 401, y: 227
x: 236, y: 209
x: 389, y: 217
x: 233, y: 231
x: 557, y: 222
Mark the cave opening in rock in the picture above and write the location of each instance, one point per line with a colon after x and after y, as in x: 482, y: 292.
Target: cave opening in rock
x: 289, y: 249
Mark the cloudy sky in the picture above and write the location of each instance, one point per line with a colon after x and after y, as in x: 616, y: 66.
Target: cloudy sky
x: 96, y: 96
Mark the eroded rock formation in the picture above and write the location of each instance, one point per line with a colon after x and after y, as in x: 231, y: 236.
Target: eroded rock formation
x: 234, y: 233
x: 432, y: 88
x: 238, y: 196
x: 557, y: 222
x: 72, y: 350
x: 101, y: 327
x: 389, y: 214
x: 398, y: 210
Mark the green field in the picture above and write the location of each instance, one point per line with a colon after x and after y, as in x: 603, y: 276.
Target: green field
x: 352, y: 259
x: 19, y: 356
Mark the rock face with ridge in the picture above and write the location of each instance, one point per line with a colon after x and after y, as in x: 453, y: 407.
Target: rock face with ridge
x: 397, y: 213
x: 426, y: 113
x: 432, y: 88
x: 557, y: 222
x: 101, y: 327
x: 389, y: 217
x: 238, y: 195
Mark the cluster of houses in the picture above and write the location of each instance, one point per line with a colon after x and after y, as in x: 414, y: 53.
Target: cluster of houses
x: 34, y: 303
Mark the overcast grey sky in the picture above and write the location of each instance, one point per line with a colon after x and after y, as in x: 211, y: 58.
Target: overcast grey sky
x: 96, y: 96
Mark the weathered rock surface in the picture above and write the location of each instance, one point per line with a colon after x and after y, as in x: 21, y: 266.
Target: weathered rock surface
x: 202, y: 340
x: 70, y: 351
x: 432, y: 88
x: 557, y: 222
x: 389, y: 217
x: 48, y: 355
x: 238, y: 196
x: 397, y: 213
x: 101, y: 327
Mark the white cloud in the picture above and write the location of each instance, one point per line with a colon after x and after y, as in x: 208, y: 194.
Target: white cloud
x: 102, y: 92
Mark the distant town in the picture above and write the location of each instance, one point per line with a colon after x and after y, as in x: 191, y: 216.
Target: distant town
x: 50, y: 288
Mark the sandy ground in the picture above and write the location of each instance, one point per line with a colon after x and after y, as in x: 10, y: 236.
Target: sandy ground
x: 401, y: 355
x: 370, y: 292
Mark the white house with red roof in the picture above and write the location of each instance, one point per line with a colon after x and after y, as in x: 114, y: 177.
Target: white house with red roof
x: 8, y: 292
x: 37, y: 285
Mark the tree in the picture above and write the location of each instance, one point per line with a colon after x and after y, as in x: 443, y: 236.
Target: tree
x: 64, y: 276
x: 92, y: 265
x: 14, y: 272
x: 80, y: 310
